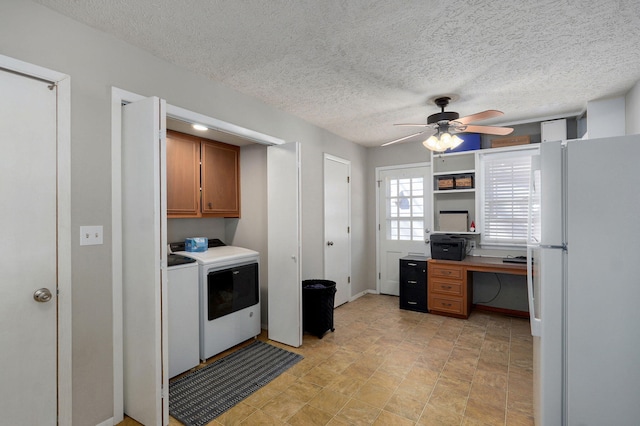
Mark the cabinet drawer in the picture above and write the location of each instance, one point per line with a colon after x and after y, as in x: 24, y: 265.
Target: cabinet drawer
x: 414, y: 305
x: 443, y: 271
x: 444, y: 304
x: 452, y: 288
x: 413, y: 271
x: 413, y: 291
x: 413, y: 296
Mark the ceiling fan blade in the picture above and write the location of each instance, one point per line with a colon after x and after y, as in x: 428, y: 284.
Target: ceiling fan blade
x: 484, y: 115
x: 489, y: 130
x: 427, y: 133
x: 412, y: 125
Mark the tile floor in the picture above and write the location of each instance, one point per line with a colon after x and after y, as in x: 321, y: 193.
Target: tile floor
x: 386, y: 366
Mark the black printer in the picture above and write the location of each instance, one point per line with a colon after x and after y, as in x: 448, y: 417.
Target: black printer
x: 448, y: 247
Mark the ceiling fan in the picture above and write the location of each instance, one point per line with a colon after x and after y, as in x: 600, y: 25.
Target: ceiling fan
x: 450, y: 123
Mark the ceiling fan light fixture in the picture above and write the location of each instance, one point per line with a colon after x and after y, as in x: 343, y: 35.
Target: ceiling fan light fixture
x: 433, y: 143
x: 455, y: 141
x: 443, y: 142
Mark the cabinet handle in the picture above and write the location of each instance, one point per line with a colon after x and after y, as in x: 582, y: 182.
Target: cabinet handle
x: 412, y: 303
x: 412, y: 282
x: 412, y: 264
x: 446, y: 304
x: 210, y: 205
x: 446, y: 287
x: 446, y: 272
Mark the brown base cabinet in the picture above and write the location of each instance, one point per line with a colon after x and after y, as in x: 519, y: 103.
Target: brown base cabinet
x: 450, y: 289
x: 203, y: 177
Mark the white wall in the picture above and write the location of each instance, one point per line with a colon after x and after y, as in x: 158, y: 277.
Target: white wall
x: 96, y: 62
x: 179, y: 229
x: 606, y: 117
x: 251, y: 230
x: 632, y: 110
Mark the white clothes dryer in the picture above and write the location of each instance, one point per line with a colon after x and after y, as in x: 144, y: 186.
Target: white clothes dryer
x: 229, y: 295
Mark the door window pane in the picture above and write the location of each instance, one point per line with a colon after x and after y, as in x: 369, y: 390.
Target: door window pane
x: 405, y: 209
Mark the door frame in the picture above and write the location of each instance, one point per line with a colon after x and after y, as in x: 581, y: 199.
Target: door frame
x: 377, y: 191
x: 118, y: 98
x: 63, y: 136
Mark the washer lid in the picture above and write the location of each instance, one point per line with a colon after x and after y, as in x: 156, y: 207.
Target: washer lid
x: 176, y: 259
x: 220, y: 254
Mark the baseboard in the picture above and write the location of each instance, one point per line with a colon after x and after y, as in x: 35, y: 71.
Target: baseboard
x: 504, y: 311
x: 362, y: 293
x: 108, y: 422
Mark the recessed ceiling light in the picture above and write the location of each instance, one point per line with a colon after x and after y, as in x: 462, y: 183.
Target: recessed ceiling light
x: 200, y: 127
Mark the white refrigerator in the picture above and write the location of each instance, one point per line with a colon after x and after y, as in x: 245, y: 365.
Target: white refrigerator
x: 584, y: 282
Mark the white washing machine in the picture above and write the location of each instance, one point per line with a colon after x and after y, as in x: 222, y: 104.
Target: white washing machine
x: 229, y: 295
x: 184, y: 322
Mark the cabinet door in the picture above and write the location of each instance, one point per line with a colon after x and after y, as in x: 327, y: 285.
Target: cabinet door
x: 220, y: 179
x: 183, y: 175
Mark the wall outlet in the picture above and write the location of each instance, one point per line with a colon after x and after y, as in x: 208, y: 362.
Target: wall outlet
x: 90, y: 235
x: 472, y: 244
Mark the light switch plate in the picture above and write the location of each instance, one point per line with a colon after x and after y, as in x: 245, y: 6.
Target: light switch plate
x: 90, y: 235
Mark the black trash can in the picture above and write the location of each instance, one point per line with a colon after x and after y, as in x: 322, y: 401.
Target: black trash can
x: 317, y: 306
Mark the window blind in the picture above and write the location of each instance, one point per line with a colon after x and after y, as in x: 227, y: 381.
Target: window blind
x: 505, y: 197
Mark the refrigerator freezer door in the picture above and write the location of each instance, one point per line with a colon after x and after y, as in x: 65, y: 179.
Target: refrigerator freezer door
x: 551, y: 194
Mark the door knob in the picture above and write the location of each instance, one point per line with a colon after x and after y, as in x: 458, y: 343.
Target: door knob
x: 329, y: 243
x: 42, y: 295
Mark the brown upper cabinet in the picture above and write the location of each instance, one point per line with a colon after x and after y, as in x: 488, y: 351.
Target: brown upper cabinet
x: 203, y: 177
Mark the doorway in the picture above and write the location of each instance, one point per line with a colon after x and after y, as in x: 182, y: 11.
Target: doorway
x: 337, y: 226
x: 36, y: 301
x: 404, y: 219
x: 118, y: 99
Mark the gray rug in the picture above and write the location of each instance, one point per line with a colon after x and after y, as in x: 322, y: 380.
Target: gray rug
x: 204, y: 394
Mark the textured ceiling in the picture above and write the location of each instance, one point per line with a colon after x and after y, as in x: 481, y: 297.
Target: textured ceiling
x: 355, y: 67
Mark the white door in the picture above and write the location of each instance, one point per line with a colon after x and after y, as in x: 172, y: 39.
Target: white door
x: 337, y: 226
x: 283, y: 211
x: 404, y: 221
x: 28, y: 216
x: 144, y: 242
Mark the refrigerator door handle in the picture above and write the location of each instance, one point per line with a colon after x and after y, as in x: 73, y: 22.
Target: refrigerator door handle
x: 534, y: 201
x: 536, y: 323
x: 552, y: 246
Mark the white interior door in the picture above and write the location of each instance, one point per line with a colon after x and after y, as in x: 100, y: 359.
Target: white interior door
x: 144, y: 285
x: 404, y: 221
x: 285, y: 271
x: 28, y: 218
x: 337, y: 226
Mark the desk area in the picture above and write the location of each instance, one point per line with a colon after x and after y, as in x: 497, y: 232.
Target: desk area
x: 450, y: 288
